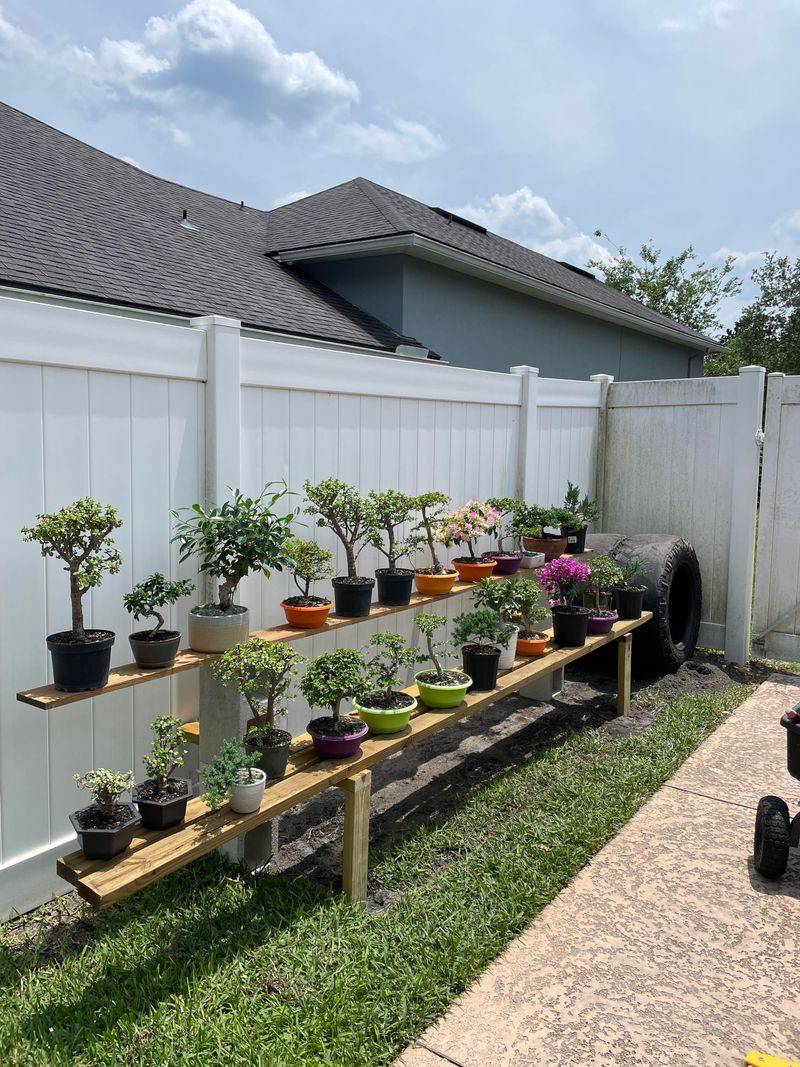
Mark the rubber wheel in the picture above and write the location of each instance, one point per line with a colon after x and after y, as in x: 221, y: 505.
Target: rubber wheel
x: 674, y: 593
x: 771, y: 839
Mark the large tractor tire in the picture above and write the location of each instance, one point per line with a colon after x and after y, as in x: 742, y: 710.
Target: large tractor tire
x: 671, y: 575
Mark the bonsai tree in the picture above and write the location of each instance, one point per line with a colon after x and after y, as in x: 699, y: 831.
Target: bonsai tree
x: 155, y: 592
x: 392, y: 653
x: 428, y: 624
x: 530, y: 606
x: 466, y: 524
x: 80, y: 535
x: 265, y: 673
x: 346, y: 512
x: 503, y: 598
x: 241, y: 536
x: 563, y: 578
x: 530, y: 520
x: 605, y: 573
x: 482, y: 628
x: 166, y: 752
x: 332, y: 677
x: 233, y: 763
x: 390, y: 509
x: 308, y: 562
x: 105, y: 787
x: 431, y: 509
x: 568, y: 521
x: 631, y: 575
x: 507, y: 507
x: 585, y: 509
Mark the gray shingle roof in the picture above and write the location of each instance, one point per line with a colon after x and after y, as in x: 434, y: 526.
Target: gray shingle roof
x: 361, y: 209
x: 76, y: 220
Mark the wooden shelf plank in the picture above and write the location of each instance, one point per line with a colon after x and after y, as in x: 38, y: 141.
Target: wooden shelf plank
x: 154, y: 854
x: 48, y: 697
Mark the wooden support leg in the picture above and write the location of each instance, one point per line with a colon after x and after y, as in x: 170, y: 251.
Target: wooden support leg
x: 356, y: 835
x: 624, y: 649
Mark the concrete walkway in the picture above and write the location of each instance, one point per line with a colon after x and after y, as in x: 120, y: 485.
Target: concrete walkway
x: 668, y: 948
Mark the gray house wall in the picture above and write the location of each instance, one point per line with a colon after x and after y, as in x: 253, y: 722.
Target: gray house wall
x: 473, y: 323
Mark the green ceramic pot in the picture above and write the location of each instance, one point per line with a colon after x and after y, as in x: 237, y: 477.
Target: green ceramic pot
x: 385, y: 722
x: 442, y: 696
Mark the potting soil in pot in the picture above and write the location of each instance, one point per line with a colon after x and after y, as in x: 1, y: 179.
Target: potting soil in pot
x: 173, y: 787
x: 92, y: 818
x: 448, y: 678
x: 344, y: 726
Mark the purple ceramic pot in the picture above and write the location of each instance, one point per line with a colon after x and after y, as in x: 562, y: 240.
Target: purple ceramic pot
x: 328, y: 746
x: 506, y: 564
x: 601, y: 624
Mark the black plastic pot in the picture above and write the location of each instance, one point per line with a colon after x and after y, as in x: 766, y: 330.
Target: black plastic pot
x: 576, y: 541
x: 570, y: 626
x: 153, y: 654
x: 629, y: 602
x: 481, y: 667
x: 792, y: 727
x: 273, y: 758
x: 100, y: 844
x: 352, y: 600
x: 162, y: 814
x: 80, y: 666
x: 394, y: 587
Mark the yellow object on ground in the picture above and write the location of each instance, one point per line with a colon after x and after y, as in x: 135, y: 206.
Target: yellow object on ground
x: 762, y: 1059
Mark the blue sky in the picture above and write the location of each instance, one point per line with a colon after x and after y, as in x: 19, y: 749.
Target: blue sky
x: 671, y: 120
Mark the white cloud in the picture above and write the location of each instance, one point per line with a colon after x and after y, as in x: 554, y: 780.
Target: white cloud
x: 716, y: 14
x: 401, y: 142
x: 290, y: 198
x: 786, y: 228
x: 180, y: 137
x: 742, y: 260
x: 529, y: 219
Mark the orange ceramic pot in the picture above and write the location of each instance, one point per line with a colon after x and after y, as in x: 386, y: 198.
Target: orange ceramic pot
x: 532, y: 646
x: 306, y: 618
x: 434, y: 584
x: 473, y: 572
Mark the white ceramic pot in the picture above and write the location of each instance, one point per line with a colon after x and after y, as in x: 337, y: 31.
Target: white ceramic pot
x: 508, y: 652
x: 217, y: 633
x: 246, y: 794
x: 530, y: 560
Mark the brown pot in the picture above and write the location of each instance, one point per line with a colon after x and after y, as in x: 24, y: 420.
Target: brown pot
x: 551, y: 547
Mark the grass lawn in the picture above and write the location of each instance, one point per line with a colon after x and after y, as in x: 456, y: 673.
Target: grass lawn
x: 213, y: 968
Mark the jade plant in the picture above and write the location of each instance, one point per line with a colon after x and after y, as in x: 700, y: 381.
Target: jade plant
x: 147, y: 598
x: 241, y: 536
x: 431, y: 507
x: 307, y: 562
x: 344, y: 511
x: 105, y: 787
x: 232, y: 765
x: 429, y: 625
x: 391, y: 509
x: 482, y: 630
x: 466, y: 524
x: 605, y: 574
x: 265, y: 674
x: 330, y: 679
x: 79, y: 535
x: 391, y: 655
x: 503, y: 598
x: 507, y: 506
x: 531, y: 608
x: 166, y: 752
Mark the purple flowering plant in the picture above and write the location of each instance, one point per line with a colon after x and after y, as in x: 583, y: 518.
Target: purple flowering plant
x: 563, y: 578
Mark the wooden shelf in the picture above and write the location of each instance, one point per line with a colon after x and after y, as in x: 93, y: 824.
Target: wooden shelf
x: 48, y: 697
x: 153, y: 854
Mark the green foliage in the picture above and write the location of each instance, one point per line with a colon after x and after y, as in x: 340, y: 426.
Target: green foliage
x: 244, y: 535
x: 631, y: 574
x: 431, y: 507
x: 333, y: 676
x: 428, y: 623
x: 508, y: 506
x: 605, y: 574
x: 80, y: 535
x: 264, y: 672
x: 587, y: 510
x: 308, y: 563
x: 507, y: 598
x: 105, y: 786
x: 346, y: 512
x: 233, y: 763
x: 681, y: 286
x: 390, y: 509
x: 391, y: 654
x: 530, y: 606
x: 166, y: 752
x: 566, y: 520
x: 482, y: 627
x: 153, y: 593
x: 530, y: 520
x: 768, y: 330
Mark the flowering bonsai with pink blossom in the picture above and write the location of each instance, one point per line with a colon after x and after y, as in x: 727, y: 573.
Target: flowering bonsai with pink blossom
x: 563, y: 579
x: 466, y: 524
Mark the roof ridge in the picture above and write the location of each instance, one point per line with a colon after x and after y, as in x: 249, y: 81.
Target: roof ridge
x: 374, y: 194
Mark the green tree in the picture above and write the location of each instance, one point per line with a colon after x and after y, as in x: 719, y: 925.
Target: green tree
x: 682, y: 286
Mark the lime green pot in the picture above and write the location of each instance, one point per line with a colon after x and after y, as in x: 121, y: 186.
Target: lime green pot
x: 385, y: 722
x: 442, y: 696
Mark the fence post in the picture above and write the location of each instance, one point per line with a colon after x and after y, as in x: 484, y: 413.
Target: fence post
x: 745, y: 462
x: 766, y: 510
x: 528, y: 424
x: 605, y: 381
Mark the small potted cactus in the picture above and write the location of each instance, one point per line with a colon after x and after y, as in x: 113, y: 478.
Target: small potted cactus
x: 439, y: 687
x: 231, y: 775
x: 155, y: 647
x: 385, y: 708
x: 391, y: 510
x: 307, y: 562
x: 162, y: 798
x: 330, y: 679
x: 481, y: 634
x: 349, y: 516
x: 265, y: 674
x: 563, y: 579
x: 605, y: 574
x: 508, y: 558
x: 105, y: 828
x: 439, y: 578
x: 463, y: 527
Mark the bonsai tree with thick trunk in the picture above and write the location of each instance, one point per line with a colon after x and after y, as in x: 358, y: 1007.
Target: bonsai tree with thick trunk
x: 155, y: 592
x: 265, y: 673
x: 431, y: 508
x: 80, y: 535
x: 391, y: 509
x: 346, y: 512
